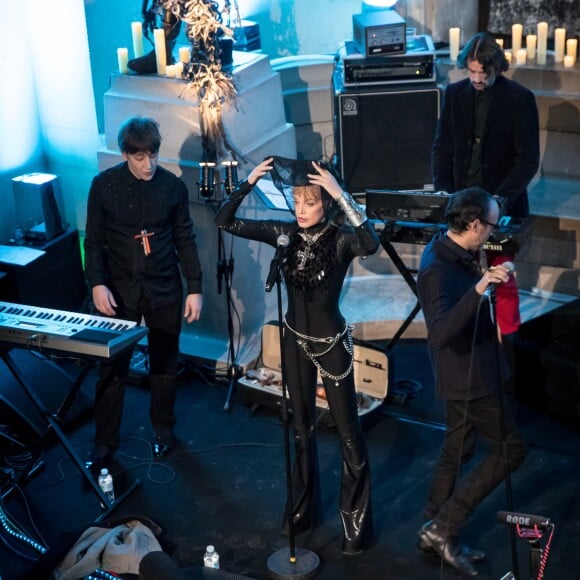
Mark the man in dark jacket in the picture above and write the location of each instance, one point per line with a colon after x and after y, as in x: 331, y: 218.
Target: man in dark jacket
x: 488, y: 136
x: 469, y: 368
x: 139, y: 242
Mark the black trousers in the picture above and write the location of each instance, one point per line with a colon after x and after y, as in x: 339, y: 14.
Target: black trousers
x: 452, y: 500
x: 164, y: 326
x: 355, y: 485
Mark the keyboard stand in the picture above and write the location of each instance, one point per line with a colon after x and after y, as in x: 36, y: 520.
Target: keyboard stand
x: 54, y: 420
x: 385, y: 237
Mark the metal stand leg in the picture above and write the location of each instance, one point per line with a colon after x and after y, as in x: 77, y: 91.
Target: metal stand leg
x: 225, y: 271
x: 408, y: 277
x: 53, y: 421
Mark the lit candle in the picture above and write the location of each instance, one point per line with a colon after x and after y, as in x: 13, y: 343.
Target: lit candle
x: 517, y: 31
x: 572, y: 48
x: 542, y: 42
x: 123, y: 59
x: 521, y: 56
x: 137, y: 34
x: 160, y: 53
x: 184, y: 54
x: 178, y: 67
x: 531, y: 40
x: 559, y: 44
x: 568, y: 61
x: 508, y: 55
x: 454, y: 36
x: 499, y: 41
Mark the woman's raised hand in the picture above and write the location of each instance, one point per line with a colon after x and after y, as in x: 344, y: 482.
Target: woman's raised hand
x: 260, y: 170
x: 326, y: 180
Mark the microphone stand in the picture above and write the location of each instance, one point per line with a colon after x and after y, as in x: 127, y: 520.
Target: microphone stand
x: 226, y: 270
x: 209, y: 180
x: 502, y: 427
x: 291, y: 562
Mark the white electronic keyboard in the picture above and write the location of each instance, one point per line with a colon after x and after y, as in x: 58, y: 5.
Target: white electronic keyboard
x: 80, y: 334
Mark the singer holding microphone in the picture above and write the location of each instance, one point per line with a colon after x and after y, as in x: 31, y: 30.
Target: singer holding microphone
x: 315, y: 251
x: 470, y: 368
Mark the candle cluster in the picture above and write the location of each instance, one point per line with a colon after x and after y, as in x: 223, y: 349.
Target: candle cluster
x: 160, y: 52
x: 565, y: 50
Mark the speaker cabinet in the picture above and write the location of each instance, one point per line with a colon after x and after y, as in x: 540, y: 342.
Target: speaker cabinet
x: 383, y: 136
x: 54, y: 280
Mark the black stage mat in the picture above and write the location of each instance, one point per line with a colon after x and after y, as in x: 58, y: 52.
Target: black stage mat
x: 224, y: 485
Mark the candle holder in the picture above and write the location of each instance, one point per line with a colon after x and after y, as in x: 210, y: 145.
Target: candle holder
x: 206, y: 183
x: 231, y: 176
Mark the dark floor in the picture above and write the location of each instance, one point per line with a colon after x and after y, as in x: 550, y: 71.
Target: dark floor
x: 225, y: 485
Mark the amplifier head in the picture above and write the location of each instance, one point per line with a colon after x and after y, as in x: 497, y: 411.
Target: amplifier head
x: 380, y: 32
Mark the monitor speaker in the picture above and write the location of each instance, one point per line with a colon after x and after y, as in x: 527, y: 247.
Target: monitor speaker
x: 383, y: 137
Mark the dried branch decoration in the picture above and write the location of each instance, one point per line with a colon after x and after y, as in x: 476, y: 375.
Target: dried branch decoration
x: 213, y: 87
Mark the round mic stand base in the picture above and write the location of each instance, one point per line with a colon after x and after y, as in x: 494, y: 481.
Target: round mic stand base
x: 304, y: 566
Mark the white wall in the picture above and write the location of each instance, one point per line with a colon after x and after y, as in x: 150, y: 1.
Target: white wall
x: 48, y: 113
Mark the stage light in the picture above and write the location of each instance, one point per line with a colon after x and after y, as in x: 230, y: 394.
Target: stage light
x: 231, y: 176
x: 206, y: 183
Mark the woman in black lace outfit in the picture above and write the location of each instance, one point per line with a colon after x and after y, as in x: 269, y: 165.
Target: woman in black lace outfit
x: 316, y: 335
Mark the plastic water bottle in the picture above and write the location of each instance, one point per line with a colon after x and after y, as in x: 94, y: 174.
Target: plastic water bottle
x: 106, y: 484
x: 211, y: 559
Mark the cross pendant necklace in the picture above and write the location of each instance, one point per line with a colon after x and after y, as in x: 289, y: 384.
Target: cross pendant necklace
x: 304, y: 257
x: 144, y: 237
x: 310, y: 240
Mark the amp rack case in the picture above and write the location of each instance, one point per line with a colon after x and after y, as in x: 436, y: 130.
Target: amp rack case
x: 262, y: 385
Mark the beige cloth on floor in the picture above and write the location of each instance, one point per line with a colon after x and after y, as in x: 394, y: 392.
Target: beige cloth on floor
x: 118, y: 549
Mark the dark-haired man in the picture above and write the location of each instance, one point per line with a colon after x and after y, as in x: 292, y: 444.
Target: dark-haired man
x: 488, y: 136
x: 138, y: 234
x: 469, y: 368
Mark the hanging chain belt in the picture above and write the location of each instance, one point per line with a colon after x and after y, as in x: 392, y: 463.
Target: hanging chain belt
x: 345, y: 334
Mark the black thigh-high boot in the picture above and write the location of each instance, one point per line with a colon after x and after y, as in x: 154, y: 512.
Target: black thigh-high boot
x: 305, y: 484
x: 355, y: 494
x: 147, y: 64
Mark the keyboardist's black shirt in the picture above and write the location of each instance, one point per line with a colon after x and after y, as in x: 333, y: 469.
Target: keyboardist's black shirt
x: 120, y: 206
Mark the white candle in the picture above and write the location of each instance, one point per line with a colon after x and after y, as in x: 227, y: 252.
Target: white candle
x: 170, y: 70
x: 521, y: 56
x: 137, y: 34
x: 508, y: 55
x: 123, y: 59
x: 572, y: 48
x: 517, y: 31
x: 559, y: 44
x: 499, y: 41
x: 531, y: 40
x: 542, y: 42
x: 184, y: 54
x: 568, y: 61
x: 178, y: 66
x: 160, y: 53
x: 454, y: 36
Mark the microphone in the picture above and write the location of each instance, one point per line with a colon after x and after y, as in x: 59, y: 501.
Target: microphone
x: 525, y: 520
x: 281, y: 245
x: 509, y: 266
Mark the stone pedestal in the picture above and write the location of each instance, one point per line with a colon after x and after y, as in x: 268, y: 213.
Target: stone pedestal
x: 257, y: 128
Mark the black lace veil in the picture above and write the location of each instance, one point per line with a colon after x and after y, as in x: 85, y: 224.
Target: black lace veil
x: 288, y: 173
